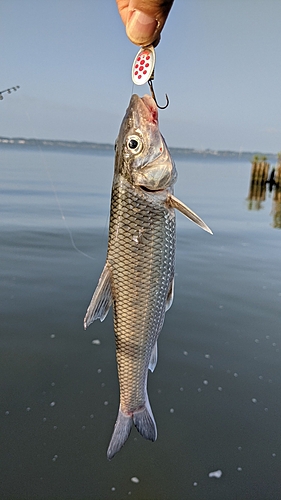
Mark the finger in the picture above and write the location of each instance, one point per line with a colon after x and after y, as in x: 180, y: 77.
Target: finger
x: 144, y: 19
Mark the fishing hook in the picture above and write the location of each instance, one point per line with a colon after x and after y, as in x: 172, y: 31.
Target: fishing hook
x: 153, y: 94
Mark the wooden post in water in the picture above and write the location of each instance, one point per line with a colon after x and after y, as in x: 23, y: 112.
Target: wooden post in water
x: 276, y: 202
x: 259, y: 175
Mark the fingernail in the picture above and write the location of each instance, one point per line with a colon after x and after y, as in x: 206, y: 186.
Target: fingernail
x: 140, y: 27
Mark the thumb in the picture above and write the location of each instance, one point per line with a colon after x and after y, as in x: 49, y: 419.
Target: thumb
x: 146, y: 19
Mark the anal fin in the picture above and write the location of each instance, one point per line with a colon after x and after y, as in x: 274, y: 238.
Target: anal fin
x: 170, y: 296
x: 153, y: 358
x: 101, y: 300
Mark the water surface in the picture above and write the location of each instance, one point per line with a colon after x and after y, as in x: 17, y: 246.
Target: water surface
x: 216, y: 391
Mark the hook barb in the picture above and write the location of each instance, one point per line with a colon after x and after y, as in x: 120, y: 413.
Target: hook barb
x: 154, y: 96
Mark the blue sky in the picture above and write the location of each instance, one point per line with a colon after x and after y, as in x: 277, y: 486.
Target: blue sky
x: 219, y: 61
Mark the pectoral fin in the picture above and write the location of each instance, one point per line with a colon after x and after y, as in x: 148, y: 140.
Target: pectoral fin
x: 175, y: 203
x: 101, y: 300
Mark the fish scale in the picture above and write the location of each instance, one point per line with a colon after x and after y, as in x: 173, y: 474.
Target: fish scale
x: 141, y: 272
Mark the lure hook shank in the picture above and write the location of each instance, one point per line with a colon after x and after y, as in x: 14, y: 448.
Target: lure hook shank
x: 154, y: 96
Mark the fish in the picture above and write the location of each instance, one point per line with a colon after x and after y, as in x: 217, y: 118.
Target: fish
x: 138, y: 276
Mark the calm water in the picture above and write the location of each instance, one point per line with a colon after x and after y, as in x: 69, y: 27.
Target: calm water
x: 216, y: 391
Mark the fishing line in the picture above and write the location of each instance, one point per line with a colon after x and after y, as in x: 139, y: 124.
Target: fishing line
x: 55, y: 193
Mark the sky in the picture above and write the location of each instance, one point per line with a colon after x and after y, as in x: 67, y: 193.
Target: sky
x: 219, y: 61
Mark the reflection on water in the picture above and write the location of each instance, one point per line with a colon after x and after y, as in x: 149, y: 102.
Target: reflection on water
x: 260, y: 182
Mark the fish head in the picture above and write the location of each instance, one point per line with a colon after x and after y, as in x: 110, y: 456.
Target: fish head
x: 142, y: 156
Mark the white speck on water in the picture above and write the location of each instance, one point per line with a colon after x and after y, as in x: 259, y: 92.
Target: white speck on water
x: 211, y: 366
x: 52, y: 403
x: 207, y: 356
x: 83, y: 427
x: 102, y: 384
x: 239, y: 469
x: 135, y: 479
x: 274, y: 454
x: 267, y: 337
x: 105, y: 403
x: 195, y: 484
x: 44, y: 419
x: 55, y: 458
x: 53, y: 384
x: 220, y: 307
x: 216, y: 473
x: 91, y: 416
x: 205, y: 382
x: 239, y: 448
x: 113, y: 489
x: 235, y: 374
x: 219, y: 388
x: 159, y: 391
x: 266, y: 409
x: 28, y: 408
x: 7, y: 412
x: 274, y: 344
x: 260, y: 377
x: 96, y: 342
x: 52, y: 336
x: 55, y: 427
x: 257, y: 341
x: 254, y: 400
x: 199, y: 389
x: 99, y: 370
x: 181, y: 389
x: 185, y: 353
x: 172, y: 410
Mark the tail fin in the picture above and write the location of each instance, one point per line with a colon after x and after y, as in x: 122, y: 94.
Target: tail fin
x: 120, y: 434
x: 145, y: 423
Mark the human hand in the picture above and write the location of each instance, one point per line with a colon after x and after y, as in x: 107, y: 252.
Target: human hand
x: 144, y: 19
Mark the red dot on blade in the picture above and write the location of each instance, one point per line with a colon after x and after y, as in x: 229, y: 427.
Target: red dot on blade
x: 142, y: 61
x: 146, y: 65
x: 136, y: 72
x: 139, y: 76
x: 138, y: 59
x: 147, y: 57
x: 141, y: 68
x: 145, y: 72
x: 136, y: 66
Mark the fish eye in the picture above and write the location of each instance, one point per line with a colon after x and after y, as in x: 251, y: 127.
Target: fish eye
x: 134, y: 144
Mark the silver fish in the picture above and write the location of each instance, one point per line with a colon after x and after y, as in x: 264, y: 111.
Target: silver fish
x: 138, y: 276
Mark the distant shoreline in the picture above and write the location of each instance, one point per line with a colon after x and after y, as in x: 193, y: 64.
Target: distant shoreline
x: 93, y: 147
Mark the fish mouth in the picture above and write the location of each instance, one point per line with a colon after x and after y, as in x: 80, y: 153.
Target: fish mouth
x: 150, y: 108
